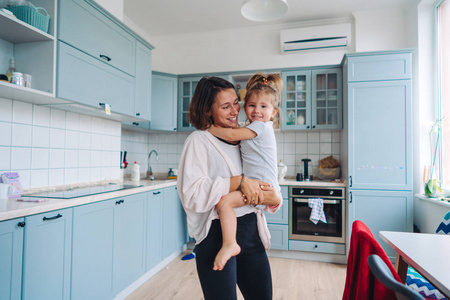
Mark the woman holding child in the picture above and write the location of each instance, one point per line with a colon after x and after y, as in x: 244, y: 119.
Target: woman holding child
x: 212, y: 185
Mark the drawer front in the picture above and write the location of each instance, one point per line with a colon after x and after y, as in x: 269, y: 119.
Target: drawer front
x: 86, y: 80
x: 379, y: 67
x: 83, y: 26
x: 281, y: 216
x: 279, y: 237
x: 318, y: 247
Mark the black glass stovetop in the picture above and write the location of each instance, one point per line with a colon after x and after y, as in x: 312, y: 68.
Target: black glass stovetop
x: 82, y: 192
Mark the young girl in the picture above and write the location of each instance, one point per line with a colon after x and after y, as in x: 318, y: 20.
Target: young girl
x: 258, y: 151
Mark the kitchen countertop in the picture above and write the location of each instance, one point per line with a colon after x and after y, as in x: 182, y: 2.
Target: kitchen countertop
x: 10, y: 209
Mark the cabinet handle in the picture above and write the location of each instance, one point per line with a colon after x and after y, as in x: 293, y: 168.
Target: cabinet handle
x: 175, y: 129
x: 52, y: 218
x: 351, y: 181
x: 307, y: 126
x: 117, y: 202
x: 156, y: 193
x: 21, y: 224
x: 135, y: 124
x: 138, y: 114
x: 104, y: 57
x: 120, y: 201
x: 351, y: 197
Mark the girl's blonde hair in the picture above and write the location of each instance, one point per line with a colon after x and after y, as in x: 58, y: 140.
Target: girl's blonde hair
x: 270, y: 84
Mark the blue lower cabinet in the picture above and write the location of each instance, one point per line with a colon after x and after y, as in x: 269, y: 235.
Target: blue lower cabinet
x: 92, y: 255
x: 11, y: 247
x: 154, y: 228
x: 174, y: 222
x: 129, y: 240
x: 46, y: 255
x: 279, y: 236
x: 281, y: 216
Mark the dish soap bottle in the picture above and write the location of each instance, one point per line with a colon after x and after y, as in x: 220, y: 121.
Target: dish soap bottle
x: 282, y: 169
x: 135, y: 175
x: 11, y: 70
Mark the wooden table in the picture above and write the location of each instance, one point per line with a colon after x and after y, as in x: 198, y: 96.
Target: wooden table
x: 428, y: 254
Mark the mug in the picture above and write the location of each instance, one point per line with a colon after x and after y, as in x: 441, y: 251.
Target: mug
x: 5, y: 191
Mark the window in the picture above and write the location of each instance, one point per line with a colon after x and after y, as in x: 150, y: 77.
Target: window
x: 444, y: 90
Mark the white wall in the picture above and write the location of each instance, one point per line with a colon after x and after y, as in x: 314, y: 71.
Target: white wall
x: 380, y: 30
x: 115, y: 7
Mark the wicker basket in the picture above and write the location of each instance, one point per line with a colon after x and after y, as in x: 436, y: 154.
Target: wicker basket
x: 32, y: 15
x: 329, y: 173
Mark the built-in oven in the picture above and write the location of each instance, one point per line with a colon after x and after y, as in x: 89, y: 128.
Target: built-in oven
x: 300, y: 225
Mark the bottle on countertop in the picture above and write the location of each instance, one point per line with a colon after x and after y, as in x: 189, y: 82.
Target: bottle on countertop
x: 282, y: 169
x: 11, y: 70
x: 135, y: 174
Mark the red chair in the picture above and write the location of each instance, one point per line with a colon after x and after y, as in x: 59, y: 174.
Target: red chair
x: 360, y: 282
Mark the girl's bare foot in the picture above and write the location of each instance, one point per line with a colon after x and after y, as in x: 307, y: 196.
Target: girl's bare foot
x: 225, y: 253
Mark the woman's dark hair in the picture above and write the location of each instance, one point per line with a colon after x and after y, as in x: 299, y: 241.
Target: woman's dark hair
x: 204, y: 97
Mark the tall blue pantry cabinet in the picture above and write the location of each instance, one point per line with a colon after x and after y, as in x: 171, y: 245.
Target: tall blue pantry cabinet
x: 377, y: 139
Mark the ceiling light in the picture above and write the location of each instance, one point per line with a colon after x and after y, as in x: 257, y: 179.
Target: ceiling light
x: 263, y: 10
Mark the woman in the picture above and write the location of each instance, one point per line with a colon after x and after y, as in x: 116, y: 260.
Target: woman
x: 209, y: 169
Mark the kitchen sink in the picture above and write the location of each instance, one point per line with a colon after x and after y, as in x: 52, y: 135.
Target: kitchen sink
x: 82, y: 192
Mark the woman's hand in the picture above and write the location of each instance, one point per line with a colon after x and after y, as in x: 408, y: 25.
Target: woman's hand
x: 251, y: 188
x: 269, y: 196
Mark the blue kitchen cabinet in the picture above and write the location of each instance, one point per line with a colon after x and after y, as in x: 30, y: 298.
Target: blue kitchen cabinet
x: 11, y: 247
x: 108, y: 246
x: 92, y: 254
x: 85, y: 26
x: 186, y: 88
x: 379, y: 138
x: 312, y: 99
x: 278, y: 224
x: 129, y: 240
x: 143, y: 81
x: 381, y: 210
x: 174, y: 223
x: 84, y: 79
x: 47, y: 251
x: 164, y: 102
x: 154, y: 235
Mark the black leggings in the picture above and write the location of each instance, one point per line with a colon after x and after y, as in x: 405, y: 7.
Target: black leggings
x: 250, y: 269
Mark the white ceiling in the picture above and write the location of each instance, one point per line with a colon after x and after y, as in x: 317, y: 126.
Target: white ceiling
x: 166, y: 17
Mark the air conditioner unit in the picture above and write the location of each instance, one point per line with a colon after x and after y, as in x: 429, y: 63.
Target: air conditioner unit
x: 317, y: 37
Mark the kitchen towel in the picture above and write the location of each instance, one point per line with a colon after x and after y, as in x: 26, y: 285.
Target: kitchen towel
x: 317, y: 214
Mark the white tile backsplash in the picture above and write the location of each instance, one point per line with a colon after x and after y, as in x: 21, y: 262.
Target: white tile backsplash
x: 50, y: 147
x: 41, y: 136
x: 5, y: 133
x: 292, y: 148
x: 41, y: 116
x: 21, y: 135
x: 5, y: 110
x: 22, y: 112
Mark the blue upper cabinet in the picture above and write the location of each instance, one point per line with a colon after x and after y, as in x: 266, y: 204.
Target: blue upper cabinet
x: 83, y: 26
x: 186, y: 88
x: 143, y: 81
x: 47, y: 255
x: 312, y: 99
x: 11, y: 247
x: 380, y: 121
x: 164, y: 102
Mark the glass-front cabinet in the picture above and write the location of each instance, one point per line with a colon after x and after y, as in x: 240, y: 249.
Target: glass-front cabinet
x: 312, y: 99
x: 296, y: 100
x: 186, y: 88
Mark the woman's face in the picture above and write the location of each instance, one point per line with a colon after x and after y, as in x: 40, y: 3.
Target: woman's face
x: 225, y: 109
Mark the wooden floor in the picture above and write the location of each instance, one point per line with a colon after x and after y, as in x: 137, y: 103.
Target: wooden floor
x: 292, y: 279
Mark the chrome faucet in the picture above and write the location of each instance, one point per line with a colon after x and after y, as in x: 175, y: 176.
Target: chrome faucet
x: 149, y: 169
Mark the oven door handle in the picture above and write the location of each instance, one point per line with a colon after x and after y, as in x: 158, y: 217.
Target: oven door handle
x: 325, y: 201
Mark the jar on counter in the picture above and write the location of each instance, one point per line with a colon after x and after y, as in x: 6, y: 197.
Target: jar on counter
x: 18, y: 79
